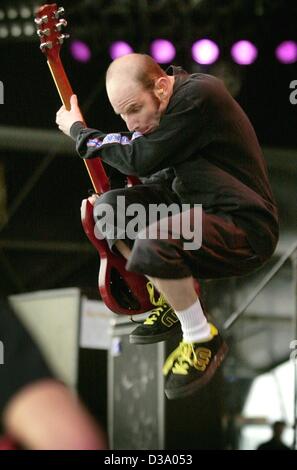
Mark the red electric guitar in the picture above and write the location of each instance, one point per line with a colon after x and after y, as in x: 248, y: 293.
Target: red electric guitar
x: 122, y: 291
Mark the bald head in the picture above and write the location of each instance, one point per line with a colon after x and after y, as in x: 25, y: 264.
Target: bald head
x: 138, y: 68
x: 138, y: 90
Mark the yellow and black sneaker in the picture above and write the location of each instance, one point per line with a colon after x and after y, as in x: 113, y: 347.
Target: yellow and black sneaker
x: 192, y: 365
x: 161, y: 323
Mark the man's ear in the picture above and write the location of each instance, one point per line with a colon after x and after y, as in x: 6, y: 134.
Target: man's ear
x: 161, y: 87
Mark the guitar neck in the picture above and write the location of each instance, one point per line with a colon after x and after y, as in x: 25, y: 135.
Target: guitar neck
x: 95, y: 168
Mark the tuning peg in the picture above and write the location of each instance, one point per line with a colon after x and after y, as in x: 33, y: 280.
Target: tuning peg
x: 46, y: 45
x: 63, y: 37
x: 43, y: 32
x: 42, y: 20
x: 59, y: 13
x: 62, y: 23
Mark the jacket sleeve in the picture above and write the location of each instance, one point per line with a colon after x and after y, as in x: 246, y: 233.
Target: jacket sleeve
x: 178, y: 136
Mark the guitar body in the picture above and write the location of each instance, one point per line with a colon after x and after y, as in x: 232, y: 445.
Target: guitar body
x: 122, y: 291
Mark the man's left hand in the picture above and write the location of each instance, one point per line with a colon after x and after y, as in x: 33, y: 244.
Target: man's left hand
x: 65, y: 118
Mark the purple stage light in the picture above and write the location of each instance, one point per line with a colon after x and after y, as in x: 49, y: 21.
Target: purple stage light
x: 286, y: 52
x: 80, y: 51
x: 244, y: 52
x: 163, y: 51
x: 205, y: 51
x: 119, y: 49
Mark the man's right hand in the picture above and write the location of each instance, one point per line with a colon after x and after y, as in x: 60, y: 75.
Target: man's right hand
x: 92, y: 199
x: 65, y: 118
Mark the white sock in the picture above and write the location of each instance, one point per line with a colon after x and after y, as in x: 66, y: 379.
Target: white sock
x: 194, y: 323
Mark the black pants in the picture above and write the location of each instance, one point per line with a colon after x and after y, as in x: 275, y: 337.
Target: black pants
x: 224, y: 252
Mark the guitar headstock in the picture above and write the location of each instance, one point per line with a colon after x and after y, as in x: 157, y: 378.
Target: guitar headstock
x: 49, y: 29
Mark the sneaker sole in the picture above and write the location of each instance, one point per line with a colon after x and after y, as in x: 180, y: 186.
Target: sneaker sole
x: 133, y: 339
x: 192, y: 387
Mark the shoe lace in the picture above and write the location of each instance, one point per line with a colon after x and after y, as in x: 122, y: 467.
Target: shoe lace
x: 184, y: 357
x: 160, y: 305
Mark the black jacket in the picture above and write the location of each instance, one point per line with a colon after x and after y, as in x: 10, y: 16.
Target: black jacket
x: 205, y: 147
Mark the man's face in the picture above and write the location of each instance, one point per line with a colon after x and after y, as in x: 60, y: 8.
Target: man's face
x: 138, y: 107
